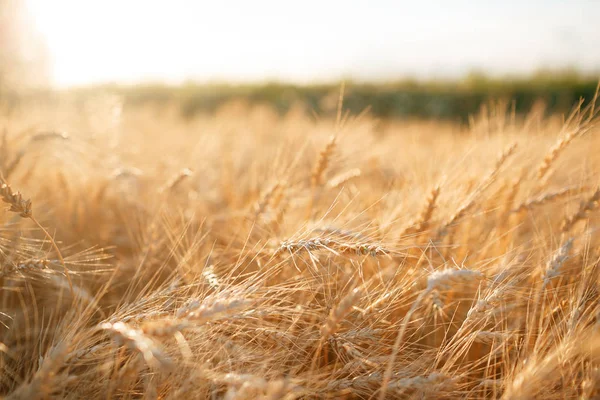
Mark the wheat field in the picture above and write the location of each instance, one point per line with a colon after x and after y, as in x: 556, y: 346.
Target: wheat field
x: 245, y: 254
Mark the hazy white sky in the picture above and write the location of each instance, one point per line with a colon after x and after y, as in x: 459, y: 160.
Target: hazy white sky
x: 143, y: 40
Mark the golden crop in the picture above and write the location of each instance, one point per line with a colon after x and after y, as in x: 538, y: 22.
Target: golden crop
x: 247, y: 255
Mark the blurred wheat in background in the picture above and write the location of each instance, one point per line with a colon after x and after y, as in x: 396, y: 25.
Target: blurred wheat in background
x: 247, y: 250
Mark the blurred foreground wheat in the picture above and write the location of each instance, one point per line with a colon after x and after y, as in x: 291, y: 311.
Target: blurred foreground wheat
x: 246, y: 255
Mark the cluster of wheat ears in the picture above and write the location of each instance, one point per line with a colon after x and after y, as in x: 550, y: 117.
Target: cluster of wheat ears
x: 245, y: 255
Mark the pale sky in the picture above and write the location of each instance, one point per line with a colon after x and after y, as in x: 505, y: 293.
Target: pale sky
x: 132, y: 41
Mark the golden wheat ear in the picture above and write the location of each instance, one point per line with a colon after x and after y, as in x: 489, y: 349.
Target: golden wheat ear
x: 24, y: 208
x: 585, y: 207
x: 323, y: 161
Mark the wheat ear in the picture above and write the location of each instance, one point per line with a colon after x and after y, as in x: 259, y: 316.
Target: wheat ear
x: 343, y: 178
x: 588, y: 205
x: 545, y: 199
x: 25, y: 210
x: 176, y: 180
x: 336, y: 315
x: 422, y: 222
x: 438, y: 280
x: 323, y: 161
x: 487, y: 181
x: 554, y: 153
x: 41, y: 384
x: 136, y: 340
x: 339, y: 312
x: 266, y: 198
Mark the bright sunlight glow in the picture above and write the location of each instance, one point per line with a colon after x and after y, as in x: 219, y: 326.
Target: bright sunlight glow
x: 173, y: 41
